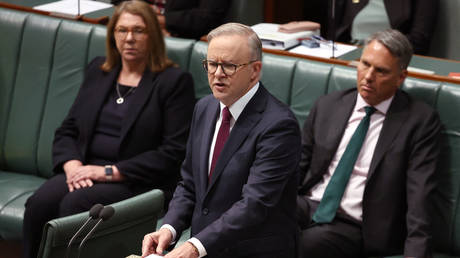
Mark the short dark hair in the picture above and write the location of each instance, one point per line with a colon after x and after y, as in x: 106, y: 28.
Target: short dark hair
x: 396, y: 43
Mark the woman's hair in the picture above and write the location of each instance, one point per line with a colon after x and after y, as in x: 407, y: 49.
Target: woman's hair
x: 157, y: 59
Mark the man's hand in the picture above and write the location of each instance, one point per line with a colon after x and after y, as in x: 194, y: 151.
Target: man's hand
x: 156, y: 242
x: 186, y: 250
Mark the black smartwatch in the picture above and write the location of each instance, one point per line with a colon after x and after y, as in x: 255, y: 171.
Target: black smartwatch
x: 108, y: 172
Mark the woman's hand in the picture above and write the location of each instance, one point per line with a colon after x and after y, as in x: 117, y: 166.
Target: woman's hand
x: 70, y: 169
x: 80, y: 176
x: 87, y: 174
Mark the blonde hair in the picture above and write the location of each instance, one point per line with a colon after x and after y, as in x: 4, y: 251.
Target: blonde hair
x: 156, y: 60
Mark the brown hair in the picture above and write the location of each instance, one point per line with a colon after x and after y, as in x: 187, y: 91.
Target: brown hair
x: 157, y: 60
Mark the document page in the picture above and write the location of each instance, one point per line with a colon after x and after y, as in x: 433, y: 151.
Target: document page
x: 324, y: 50
x: 71, y: 6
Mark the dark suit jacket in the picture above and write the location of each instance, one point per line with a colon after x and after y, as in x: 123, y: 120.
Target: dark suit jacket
x: 194, y: 18
x: 153, y: 135
x: 401, y: 175
x: 247, y: 208
x: 415, y: 18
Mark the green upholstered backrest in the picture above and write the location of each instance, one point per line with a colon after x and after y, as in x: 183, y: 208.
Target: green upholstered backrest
x: 43, y: 64
x: 11, y: 24
x: 200, y: 78
x: 120, y: 236
x: 310, y: 81
x: 447, y: 216
x: 33, y: 69
x: 341, y: 78
x: 424, y: 90
x: 179, y: 50
x: 277, y: 74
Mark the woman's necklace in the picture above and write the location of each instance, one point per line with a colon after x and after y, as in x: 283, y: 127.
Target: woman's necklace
x: 121, y: 98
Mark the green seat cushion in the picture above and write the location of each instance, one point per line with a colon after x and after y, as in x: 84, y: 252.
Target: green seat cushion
x: 15, y: 188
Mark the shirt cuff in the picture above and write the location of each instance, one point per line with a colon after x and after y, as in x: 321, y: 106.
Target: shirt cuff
x: 199, y: 246
x: 173, y: 232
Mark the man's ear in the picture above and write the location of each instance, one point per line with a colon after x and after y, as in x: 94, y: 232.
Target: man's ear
x: 402, y: 77
x: 256, y: 70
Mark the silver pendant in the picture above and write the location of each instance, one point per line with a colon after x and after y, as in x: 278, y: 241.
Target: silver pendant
x: 120, y: 100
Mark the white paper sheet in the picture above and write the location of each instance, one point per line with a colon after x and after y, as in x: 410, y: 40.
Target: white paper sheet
x: 70, y: 7
x: 154, y: 256
x: 325, y: 50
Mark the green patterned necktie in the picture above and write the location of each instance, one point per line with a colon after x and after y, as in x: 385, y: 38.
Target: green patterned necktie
x: 339, y: 180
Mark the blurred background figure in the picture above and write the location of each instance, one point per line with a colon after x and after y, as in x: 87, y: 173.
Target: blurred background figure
x: 188, y: 18
x: 355, y: 20
x: 126, y: 131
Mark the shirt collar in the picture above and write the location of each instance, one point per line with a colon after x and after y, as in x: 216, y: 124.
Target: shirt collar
x: 237, y: 107
x: 382, y: 107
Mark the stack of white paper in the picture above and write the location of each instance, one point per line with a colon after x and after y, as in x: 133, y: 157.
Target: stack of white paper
x: 273, y: 39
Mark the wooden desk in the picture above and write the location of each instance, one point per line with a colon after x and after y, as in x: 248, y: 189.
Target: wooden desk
x: 441, y: 67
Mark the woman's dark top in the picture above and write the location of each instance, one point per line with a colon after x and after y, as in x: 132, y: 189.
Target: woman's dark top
x: 106, y: 139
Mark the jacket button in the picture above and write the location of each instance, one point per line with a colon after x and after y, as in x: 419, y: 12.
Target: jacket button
x: 205, y: 211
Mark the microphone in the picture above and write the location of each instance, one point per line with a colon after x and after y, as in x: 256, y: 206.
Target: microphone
x: 93, y: 214
x: 104, y: 215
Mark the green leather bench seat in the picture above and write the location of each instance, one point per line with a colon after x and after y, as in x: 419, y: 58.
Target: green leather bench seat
x: 42, y: 64
x: 15, y: 188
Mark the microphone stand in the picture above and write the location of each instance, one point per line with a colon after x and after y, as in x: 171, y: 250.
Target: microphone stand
x: 93, y: 214
x: 87, y: 236
x: 333, y: 28
x: 104, y: 215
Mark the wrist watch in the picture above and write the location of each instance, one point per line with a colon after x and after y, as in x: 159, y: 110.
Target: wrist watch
x: 108, y: 172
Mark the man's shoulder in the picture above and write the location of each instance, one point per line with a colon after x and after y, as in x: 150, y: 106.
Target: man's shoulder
x: 336, y: 96
x: 414, y: 105
x: 275, y: 105
x: 206, y: 100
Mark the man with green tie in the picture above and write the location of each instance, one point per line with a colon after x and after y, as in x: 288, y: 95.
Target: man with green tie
x: 369, y: 156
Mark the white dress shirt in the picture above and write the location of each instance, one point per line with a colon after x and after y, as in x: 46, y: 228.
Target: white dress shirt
x: 351, y: 202
x: 235, y: 110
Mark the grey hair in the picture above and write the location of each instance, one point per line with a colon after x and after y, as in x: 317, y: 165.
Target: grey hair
x: 233, y: 28
x: 398, y: 45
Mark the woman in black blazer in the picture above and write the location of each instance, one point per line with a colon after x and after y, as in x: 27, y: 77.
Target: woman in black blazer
x: 126, y: 131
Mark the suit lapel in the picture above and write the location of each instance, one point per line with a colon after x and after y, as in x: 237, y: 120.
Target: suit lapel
x: 141, y: 96
x: 207, y: 133
x: 395, y: 118
x: 243, y: 126
x: 339, y: 118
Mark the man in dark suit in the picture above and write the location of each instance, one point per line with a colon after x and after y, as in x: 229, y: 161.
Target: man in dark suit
x: 188, y: 18
x: 415, y: 18
x: 236, y: 194
x: 383, y: 206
